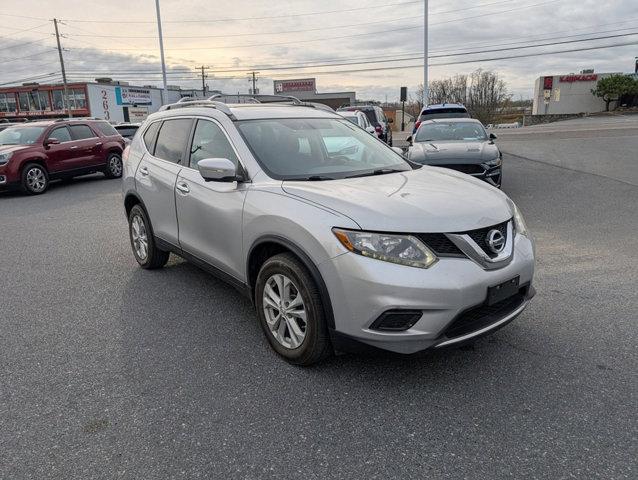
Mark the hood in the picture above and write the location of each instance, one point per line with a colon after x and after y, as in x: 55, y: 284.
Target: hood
x: 442, y: 153
x: 427, y: 200
x: 12, y: 148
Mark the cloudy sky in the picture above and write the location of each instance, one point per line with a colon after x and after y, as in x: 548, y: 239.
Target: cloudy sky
x: 118, y: 38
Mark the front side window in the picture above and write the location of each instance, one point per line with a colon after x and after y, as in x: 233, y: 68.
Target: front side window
x: 451, y: 131
x: 20, y: 135
x: 81, y: 132
x: 172, y: 139
x: 317, y: 149
x: 209, y: 141
x: 61, y: 133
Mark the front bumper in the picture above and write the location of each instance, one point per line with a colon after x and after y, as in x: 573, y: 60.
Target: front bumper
x: 362, y: 289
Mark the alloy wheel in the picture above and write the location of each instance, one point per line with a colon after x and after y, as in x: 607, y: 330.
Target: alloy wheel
x: 139, y: 236
x: 36, y: 180
x: 115, y: 166
x: 285, y: 311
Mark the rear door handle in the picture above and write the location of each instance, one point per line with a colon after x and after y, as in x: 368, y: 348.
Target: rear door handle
x: 183, y: 187
x: 74, y: 147
x: 144, y: 171
x: 98, y: 144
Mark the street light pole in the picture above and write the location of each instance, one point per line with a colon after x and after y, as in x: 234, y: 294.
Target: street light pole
x: 161, y: 45
x: 66, y: 90
x: 425, y: 54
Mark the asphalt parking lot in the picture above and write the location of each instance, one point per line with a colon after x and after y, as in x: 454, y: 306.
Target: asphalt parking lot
x: 109, y: 371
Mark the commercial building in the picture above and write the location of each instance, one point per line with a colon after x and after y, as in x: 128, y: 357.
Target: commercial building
x: 306, y: 89
x: 570, y: 94
x: 114, y: 101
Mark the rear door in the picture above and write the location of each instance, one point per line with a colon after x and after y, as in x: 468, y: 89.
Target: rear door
x: 156, y: 174
x: 88, y: 145
x: 210, y: 213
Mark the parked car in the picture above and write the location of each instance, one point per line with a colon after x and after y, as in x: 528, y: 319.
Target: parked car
x: 127, y: 130
x: 334, y: 236
x: 5, y: 125
x: 359, y: 119
x: 377, y: 119
x: 443, y: 110
x: 34, y: 153
x: 460, y: 144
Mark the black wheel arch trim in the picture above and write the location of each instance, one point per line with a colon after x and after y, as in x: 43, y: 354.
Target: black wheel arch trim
x: 308, y: 263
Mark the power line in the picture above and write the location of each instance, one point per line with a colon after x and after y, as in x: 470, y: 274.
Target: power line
x: 6, y: 60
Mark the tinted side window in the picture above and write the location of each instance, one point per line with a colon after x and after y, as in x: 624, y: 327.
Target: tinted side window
x: 371, y: 116
x: 61, y: 133
x: 172, y: 139
x: 105, y: 128
x: 209, y: 141
x: 80, y: 132
x: 127, y: 132
x: 150, y: 135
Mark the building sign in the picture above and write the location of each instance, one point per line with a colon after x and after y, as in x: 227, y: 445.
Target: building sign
x: 132, y: 96
x: 578, y: 78
x: 137, y: 114
x: 548, y: 83
x: 290, y: 86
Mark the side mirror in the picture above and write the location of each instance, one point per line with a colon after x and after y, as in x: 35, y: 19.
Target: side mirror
x: 217, y: 170
x: 51, y: 141
x: 493, y: 137
x: 409, y: 139
x: 371, y: 130
x: 390, y: 120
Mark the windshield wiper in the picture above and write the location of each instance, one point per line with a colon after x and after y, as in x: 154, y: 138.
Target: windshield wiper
x: 378, y: 171
x: 311, y: 178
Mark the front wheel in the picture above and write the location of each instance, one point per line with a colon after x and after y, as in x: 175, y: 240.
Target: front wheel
x: 290, y: 310
x: 146, y: 252
x: 113, y: 166
x: 35, y: 179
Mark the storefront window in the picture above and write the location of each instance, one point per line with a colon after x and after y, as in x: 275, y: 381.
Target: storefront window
x: 58, y: 99
x: 44, y: 102
x: 80, y: 98
x: 25, y: 105
x: 7, y: 102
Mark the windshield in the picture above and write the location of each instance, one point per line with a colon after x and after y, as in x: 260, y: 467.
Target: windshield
x: 452, y: 131
x: 20, y: 135
x: 352, y: 119
x: 317, y: 149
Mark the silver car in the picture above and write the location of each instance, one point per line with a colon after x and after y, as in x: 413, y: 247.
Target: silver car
x: 335, y: 237
x: 461, y: 144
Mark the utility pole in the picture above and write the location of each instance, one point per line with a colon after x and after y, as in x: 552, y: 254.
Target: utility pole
x: 66, y: 90
x: 425, y: 55
x: 161, y: 45
x: 253, y: 78
x: 204, y: 80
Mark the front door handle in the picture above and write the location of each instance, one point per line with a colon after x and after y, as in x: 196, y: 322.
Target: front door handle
x: 74, y: 147
x: 98, y: 144
x: 183, y: 187
x: 144, y: 171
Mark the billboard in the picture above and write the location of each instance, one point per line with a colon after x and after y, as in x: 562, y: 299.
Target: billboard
x: 299, y: 85
x: 132, y: 96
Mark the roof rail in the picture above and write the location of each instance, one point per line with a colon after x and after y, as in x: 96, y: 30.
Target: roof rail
x: 258, y: 98
x: 222, y: 107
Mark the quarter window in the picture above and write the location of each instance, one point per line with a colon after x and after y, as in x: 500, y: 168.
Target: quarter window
x: 81, y: 132
x: 61, y: 133
x: 172, y: 139
x: 105, y: 128
x: 209, y: 141
x: 150, y: 135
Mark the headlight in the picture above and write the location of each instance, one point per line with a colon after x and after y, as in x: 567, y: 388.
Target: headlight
x: 4, y: 158
x: 494, y: 163
x: 519, y: 222
x: 401, y: 249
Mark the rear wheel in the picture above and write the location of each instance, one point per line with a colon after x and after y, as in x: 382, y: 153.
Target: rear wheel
x: 290, y: 310
x: 142, y: 241
x: 113, y: 166
x: 35, y: 179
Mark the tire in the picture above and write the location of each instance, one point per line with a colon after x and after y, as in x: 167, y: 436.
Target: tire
x: 315, y: 344
x: 143, y: 242
x: 114, y: 166
x: 34, y: 179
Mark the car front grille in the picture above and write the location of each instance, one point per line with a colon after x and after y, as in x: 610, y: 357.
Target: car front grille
x: 440, y: 244
x: 464, y: 168
x: 484, y: 315
x: 480, y: 236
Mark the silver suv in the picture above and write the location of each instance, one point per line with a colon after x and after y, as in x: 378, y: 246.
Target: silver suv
x: 336, y: 238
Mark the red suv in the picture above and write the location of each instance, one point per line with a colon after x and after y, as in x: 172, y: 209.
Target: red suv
x: 32, y: 154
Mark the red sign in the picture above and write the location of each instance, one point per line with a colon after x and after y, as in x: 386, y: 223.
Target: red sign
x: 548, y: 83
x: 579, y: 78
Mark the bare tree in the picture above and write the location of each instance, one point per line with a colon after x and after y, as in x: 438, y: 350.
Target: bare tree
x: 486, y: 95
